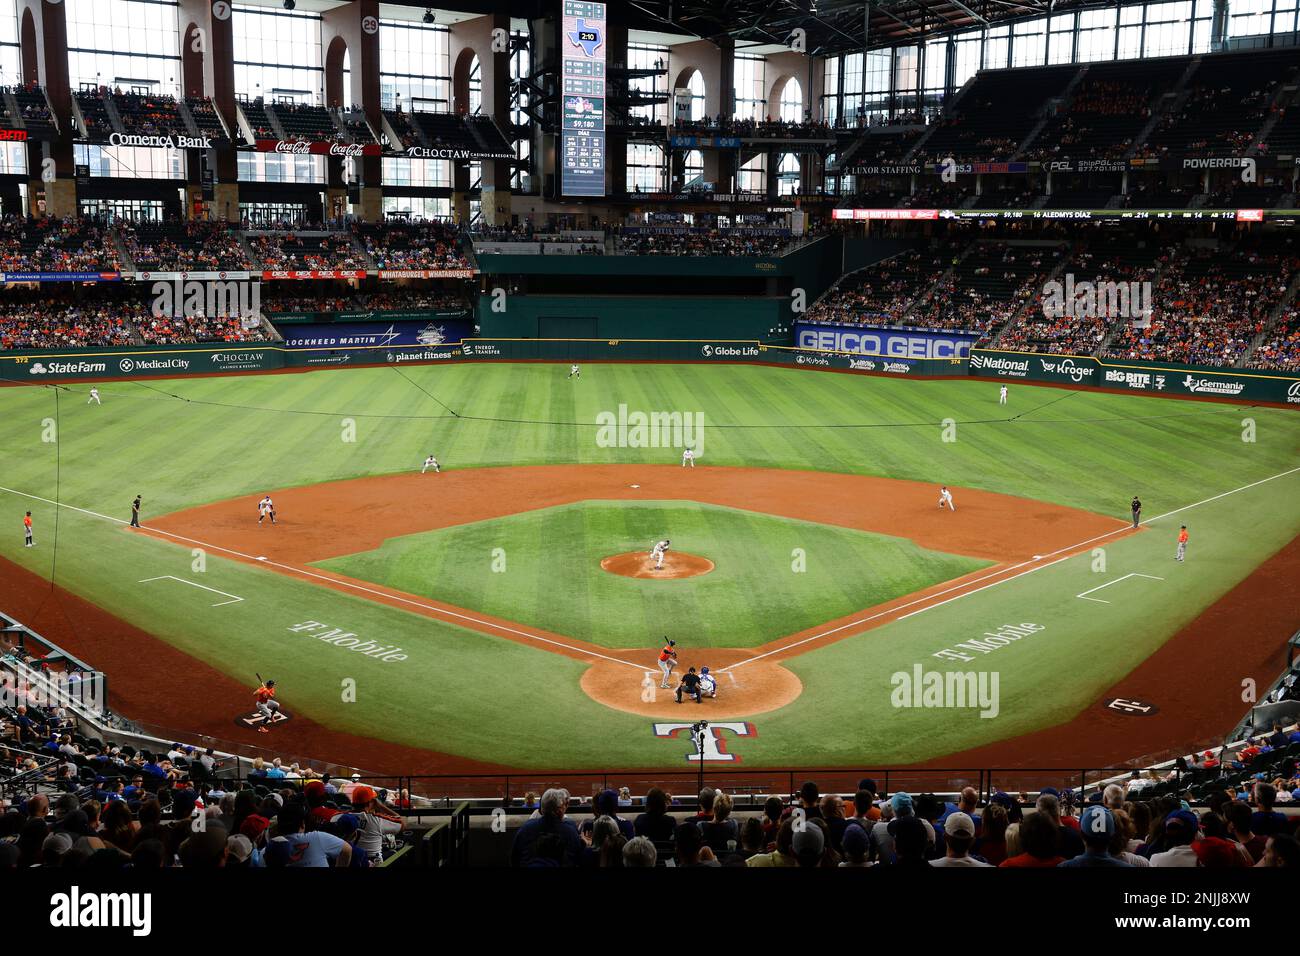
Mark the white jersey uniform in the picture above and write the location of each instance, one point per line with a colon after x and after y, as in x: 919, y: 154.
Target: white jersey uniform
x: 265, y: 509
x: 657, y: 553
x: 708, y: 686
x: 688, y: 458
x: 431, y: 462
x: 575, y: 372
x: 945, y: 498
x: 1002, y: 395
x: 94, y: 397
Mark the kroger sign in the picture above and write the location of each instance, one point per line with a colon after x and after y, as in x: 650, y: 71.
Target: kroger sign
x: 891, y: 343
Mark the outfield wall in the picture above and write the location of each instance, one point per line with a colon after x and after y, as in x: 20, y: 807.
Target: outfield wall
x: 1133, y: 375
x: 1072, y: 371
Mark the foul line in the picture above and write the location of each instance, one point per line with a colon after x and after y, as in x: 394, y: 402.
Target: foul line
x: 1134, y: 574
x: 234, y: 598
x: 1071, y: 549
x: 336, y: 581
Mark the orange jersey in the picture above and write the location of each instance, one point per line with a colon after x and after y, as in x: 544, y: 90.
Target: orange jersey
x: 1182, y: 536
x: 27, y: 521
x: 667, y: 654
x: 264, y: 694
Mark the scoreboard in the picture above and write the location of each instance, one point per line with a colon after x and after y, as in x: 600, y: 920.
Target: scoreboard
x: 582, y: 98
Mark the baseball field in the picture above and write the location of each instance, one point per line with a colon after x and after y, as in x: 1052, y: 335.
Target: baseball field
x: 478, y: 619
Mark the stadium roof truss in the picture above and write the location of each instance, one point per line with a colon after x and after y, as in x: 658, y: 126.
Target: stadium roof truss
x: 838, y: 26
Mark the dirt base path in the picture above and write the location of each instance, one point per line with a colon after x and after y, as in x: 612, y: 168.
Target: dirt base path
x: 336, y: 518
x: 151, y: 681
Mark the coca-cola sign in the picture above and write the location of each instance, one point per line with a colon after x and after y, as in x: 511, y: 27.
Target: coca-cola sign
x: 317, y: 148
x: 160, y: 142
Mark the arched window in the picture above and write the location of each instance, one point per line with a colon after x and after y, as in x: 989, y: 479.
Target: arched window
x: 792, y: 101
x: 696, y: 86
x: 787, y: 182
x: 693, y: 169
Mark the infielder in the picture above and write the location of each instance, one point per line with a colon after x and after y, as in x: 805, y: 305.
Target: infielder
x: 265, y: 509
x: 945, y: 498
x: 431, y: 462
x: 708, y: 686
x: 667, y: 661
x: 94, y: 397
x: 1182, y: 544
x: 267, y: 705
x: 657, y: 554
x: 688, y: 457
x: 1002, y: 395
x: 575, y: 372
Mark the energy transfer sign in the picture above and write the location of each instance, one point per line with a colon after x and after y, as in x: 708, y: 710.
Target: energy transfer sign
x: 582, y: 98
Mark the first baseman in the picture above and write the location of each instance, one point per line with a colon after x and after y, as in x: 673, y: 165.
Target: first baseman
x: 667, y: 661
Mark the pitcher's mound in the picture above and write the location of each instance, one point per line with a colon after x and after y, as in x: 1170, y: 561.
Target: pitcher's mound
x: 639, y: 564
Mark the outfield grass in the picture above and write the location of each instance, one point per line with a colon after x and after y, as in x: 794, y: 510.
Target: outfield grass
x: 188, y: 441
x: 549, y: 572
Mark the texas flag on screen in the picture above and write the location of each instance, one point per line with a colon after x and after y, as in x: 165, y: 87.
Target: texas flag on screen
x: 586, y: 37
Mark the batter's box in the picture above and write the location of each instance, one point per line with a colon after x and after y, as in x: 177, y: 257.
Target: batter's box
x: 1085, y: 594
x: 253, y: 720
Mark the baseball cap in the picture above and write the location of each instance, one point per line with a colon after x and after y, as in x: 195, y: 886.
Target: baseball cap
x: 362, y: 794
x: 347, y: 822
x: 809, y: 840
x: 959, y: 824
x: 1097, y: 823
x: 254, y: 825
x: 240, y: 847
x: 1183, y: 819
x: 901, y: 803
x: 1051, y: 791
x: 854, y: 839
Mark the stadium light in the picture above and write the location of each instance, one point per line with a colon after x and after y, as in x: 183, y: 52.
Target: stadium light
x: 428, y: 15
x: 290, y: 4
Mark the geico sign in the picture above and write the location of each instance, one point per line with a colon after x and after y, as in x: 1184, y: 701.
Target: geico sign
x: 160, y: 142
x: 891, y: 344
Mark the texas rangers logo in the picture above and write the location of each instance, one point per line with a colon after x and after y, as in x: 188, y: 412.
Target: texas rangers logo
x: 712, y: 746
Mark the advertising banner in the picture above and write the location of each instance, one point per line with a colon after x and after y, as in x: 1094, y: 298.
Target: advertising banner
x: 315, y: 274
x: 136, y: 363
x: 315, y: 148
x: 886, y: 342
x: 1136, y: 376
x: 60, y: 276
x: 357, y: 334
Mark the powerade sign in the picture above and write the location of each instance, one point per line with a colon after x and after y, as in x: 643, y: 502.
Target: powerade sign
x: 346, y: 335
x: 1134, y: 376
x: 886, y: 342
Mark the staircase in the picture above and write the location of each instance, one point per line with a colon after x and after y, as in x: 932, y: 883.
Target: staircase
x: 948, y: 108
x: 1285, y: 95
x: 1163, y: 107
x: 114, y: 116
x: 1066, y: 97
x: 11, y: 106
x: 1030, y: 301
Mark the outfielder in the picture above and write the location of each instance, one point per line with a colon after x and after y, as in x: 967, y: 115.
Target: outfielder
x: 94, y: 396
x: 667, y: 661
x: 1182, y: 544
x: 431, y: 462
x: 1002, y: 395
x: 945, y: 498
x: 688, y: 457
x: 267, y: 705
x: 265, y: 509
x: 708, y: 685
x: 575, y: 372
x: 657, y: 554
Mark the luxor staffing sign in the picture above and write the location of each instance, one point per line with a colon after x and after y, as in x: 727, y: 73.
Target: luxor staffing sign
x: 582, y: 79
